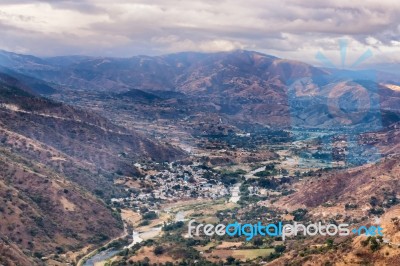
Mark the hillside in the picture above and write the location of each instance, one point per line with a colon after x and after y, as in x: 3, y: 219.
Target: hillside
x: 355, y: 186
x: 366, y: 195
x: 45, y: 213
x: 58, y: 164
x: 84, y: 138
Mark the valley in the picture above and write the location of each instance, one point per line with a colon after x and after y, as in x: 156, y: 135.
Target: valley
x: 107, y: 153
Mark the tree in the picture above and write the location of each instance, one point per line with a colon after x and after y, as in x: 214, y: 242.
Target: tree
x: 373, y: 201
x: 151, y: 215
x: 374, y: 244
x: 279, y: 248
x: 158, y: 250
x: 258, y: 241
x: 230, y: 260
x: 299, y: 214
x: 329, y: 242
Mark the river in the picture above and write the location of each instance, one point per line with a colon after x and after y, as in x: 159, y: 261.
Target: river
x: 109, y: 253
x: 101, y: 256
x: 137, y: 238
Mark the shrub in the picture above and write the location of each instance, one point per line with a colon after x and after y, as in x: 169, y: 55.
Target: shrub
x: 158, y: 250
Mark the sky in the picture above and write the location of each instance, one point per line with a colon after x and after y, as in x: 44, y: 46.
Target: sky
x: 294, y: 29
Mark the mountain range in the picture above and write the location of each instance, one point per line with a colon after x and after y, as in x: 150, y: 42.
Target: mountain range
x: 240, y: 86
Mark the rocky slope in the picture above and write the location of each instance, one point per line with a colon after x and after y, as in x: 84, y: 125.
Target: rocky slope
x: 58, y: 163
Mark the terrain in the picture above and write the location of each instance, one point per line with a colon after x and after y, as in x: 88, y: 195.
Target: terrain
x: 363, y: 193
x: 57, y: 165
x: 241, y: 88
x: 95, y: 148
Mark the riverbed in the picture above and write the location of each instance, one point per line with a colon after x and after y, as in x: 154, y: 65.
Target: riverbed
x: 101, y: 256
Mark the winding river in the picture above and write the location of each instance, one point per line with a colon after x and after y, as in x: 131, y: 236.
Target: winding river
x: 137, y: 238
x: 101, y: 256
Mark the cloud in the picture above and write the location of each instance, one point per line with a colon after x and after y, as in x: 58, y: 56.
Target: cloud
x: 286, y: 28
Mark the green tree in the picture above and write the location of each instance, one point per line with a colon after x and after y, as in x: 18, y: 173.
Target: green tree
x: 329, y: 242
x: 230, y: 260
x: 258, y: 241
x: 280, y: 248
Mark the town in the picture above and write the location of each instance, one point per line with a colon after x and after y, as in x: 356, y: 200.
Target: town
x: 170, y: 183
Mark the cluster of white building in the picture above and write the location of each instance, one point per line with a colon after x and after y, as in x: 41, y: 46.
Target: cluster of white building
x: 177, y: 182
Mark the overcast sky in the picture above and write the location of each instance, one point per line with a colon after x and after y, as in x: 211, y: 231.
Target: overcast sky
x: 295, y: 29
